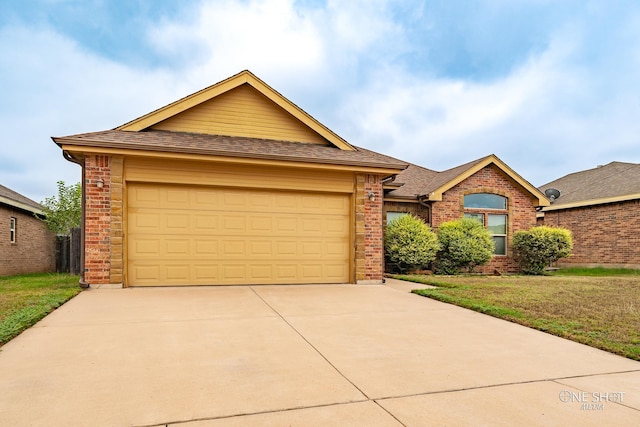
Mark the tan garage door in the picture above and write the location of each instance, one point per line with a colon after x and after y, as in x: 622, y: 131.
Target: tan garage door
x: 190, y: 235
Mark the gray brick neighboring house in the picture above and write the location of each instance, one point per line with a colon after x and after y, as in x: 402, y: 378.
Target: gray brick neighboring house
x: 26, y: 245
x: 601, y: 207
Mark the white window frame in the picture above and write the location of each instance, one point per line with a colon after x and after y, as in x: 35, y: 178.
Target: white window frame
x: 12, y: 229
x: 482, y: 214
x: 502, y: 236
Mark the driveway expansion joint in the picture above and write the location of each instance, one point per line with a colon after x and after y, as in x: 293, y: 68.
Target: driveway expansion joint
x: 334, y: 367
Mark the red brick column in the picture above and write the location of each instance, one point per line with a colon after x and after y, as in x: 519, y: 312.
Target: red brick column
x: 97, y: 234
x: 369, y: 246
x: 373, y: 230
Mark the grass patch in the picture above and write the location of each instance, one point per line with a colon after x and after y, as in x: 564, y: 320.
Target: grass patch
x: 600, y: 311
x: 596, y: 272
x: 25, y: 299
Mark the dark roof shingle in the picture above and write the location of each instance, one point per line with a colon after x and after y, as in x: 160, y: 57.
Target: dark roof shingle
x: 14, y: 196
x: 616, y: 179
x: 419, y: 181
x: 233, y: 146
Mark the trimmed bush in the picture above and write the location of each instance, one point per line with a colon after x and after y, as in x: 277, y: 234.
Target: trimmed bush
x: 538, y: 247
x: 409, y: 243
x: 464, y: 244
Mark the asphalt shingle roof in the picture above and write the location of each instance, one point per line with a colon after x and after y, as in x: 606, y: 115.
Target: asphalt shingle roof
x: 8, y: 193
x: 233, y: 146
x: 420, y: 181
x: 615, y: 179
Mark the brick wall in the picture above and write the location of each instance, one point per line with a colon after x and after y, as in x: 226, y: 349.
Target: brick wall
x: 97, y: 219
x: 603, y: 235
x: 369, y: 252
x: 521, y: 209
x: 34, y: 249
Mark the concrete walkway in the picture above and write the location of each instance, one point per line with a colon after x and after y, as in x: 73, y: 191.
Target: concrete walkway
x: 316, y: 355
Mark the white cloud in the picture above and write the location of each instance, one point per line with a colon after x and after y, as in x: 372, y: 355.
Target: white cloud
x: 563, y: 108
x: 55, y: 89
x: 554, y: 114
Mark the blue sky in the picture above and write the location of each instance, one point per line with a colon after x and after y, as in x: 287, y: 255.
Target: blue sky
x: 551, y: 87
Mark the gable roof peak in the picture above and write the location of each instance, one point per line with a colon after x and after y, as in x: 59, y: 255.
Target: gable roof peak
x: 243, y: 77
x: 433, y: 185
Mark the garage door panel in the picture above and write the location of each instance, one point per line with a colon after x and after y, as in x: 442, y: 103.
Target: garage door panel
x: 206, y: 199
x: 336, y: 271
x: 177, y: 247
x: 176, y: 223
x: 205, y: 224
x: 147, y: 247
x: 205, y: 274
x: 144, y: 196
x: 260, y: 248
x: 144, y: 221
x: 205, y: 248
x: 197, y: 235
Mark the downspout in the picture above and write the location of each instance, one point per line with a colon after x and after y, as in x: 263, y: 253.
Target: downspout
x: 421, y: 200
x: 67, y: 156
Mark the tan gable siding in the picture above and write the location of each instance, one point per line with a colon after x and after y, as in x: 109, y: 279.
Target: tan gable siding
x: 242, y: 111
x: 231, y: 175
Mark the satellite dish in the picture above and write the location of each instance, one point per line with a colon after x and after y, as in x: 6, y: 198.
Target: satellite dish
x: 552, y: 194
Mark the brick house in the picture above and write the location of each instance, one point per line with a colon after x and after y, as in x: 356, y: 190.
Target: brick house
x: 233, y: 184
x: 601, y: 207
x: 485, y: 189
x: 26, y: 245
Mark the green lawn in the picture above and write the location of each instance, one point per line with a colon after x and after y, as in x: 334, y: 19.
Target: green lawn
x: 25, y: 299
x: 600, y: 309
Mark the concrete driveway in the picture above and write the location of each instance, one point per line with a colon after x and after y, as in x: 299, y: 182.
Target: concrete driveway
x: 301, y: 355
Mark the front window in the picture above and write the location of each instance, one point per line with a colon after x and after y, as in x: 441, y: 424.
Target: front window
x: 496, y: 223
x: 393, y: 215
x: 12, y: 230
x: 485, y: 201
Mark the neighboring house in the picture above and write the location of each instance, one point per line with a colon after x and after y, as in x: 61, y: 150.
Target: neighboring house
x: 485, y: 189
x: 233, y: 184
x: 26, y: 245
x: 601, y: 207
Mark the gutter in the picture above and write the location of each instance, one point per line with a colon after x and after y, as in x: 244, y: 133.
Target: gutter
x: 20, y: 205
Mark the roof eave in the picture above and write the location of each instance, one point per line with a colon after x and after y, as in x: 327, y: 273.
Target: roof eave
x: 591, y: 202
x: 75, y: 147
x: 20, y: 205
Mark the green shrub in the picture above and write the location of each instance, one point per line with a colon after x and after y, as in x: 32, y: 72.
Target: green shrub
x: 464, y: 244
x: 536, y: 248
x: 409, y: 243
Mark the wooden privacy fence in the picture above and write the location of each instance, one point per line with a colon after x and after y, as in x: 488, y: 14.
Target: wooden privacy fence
x: 68, y: 249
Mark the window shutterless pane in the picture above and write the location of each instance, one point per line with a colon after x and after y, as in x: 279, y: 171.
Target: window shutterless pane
x: 497, y: 224
x: 12, y: 230
x: 393, y: 215
x: 477, y: 216
x: 485, y: 200
x: 500, y: 243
